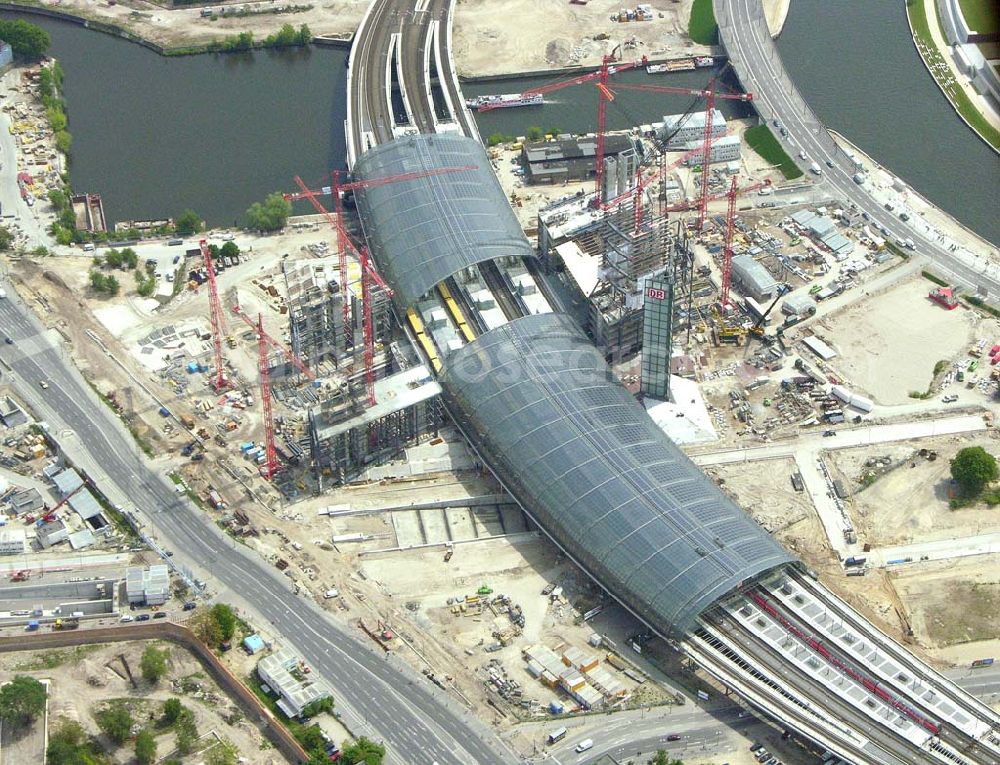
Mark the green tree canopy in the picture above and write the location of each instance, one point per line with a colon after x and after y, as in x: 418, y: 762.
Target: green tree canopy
x: 6, y: 238
x: 172, y: 709
x: 230, y: 249
x: 68, y: 745
x: 116, y: 721
x: 535, y: 133
x: 365, y: 751
x: 28, y: 41
x: 188, y: 222
x: 187, y: 732
x: 153, y: 663
x: 21, y: 700
x: 145, y: 748
x: 225, y: 617
x: 223, y: 753
x: 662, y: 758
x: 272, y: 215
x: 973, y: 468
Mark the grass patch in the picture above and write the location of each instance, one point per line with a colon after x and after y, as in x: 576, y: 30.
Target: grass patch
x: 702, y: 28
x: 942, y: 73
x: 932, y: 278
x: 762, y: 140
x: 940, y: 367
x: 56, y: 657
x: 981, y: 15
x: 978, y: 302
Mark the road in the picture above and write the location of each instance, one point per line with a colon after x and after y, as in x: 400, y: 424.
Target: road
x: 380, y: 697
x: 755, y: 58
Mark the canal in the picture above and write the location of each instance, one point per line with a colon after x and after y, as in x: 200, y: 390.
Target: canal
x: 855, y: 63
x: 154, y: 135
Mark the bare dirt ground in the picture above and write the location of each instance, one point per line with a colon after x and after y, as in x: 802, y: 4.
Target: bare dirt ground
x: 765, y: 491
x: 533, y: 35
x: 180, y: 27
x: 910, y: 504
x: 888, y: 345
x: 82, y: 679
x: 953, y: 603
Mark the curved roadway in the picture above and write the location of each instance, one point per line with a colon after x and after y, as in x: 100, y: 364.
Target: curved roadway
x: 755, y: 58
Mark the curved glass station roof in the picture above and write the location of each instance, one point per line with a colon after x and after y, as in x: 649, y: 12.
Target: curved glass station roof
x: 424, y: 229
x: 598, y: 475
x: 578, y: 452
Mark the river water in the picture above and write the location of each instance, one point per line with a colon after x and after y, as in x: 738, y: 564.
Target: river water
x: 154, y: 135
x: 855, y: 63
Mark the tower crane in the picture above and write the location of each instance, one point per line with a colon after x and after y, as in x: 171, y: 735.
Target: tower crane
x: 215, y: 317
x: 264, y: 341
x: 609, y: 66
x: 727, y: 250
x: 344, y: 241
x: 710, y: 95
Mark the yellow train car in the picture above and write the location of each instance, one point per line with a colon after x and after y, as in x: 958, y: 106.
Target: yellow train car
x: 456, y: 313
x: 425, y: 342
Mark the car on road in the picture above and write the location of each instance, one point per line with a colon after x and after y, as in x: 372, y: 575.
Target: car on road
x: 828, y: 433
x: 777, y: 123
x: 674, y: 737
x: 45, y: 385
x: 160, y: 615
x: 829, y: 163
x: 127, y: 618
x: 803, y: 155
x: 783, y: 131
x: 143, y: 618
x: 950, y: 398
x: 583, y: 746
x: 8, y: 341
x: 190, y: 606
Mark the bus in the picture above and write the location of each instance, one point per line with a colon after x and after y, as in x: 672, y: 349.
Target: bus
x: 557, y: 735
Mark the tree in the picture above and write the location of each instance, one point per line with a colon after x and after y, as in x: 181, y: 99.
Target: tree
x: 6, y: 239
x: 207, y: 628
x: 116, y: 721
x: 305, y: 35
x: 172, y: 709
x: 145, y: 748
x: 58, y: 199
x: 271, y: 215
x: 113, y: 258
x: 535, y: 133
x: 145, y: 284
x: 365, y: 751
x: 315, y: 707
x: 63, y: 141
x: 28, y: 41
x: 153, y: 663
x: 68, y: 746
x: 21, y: 700
x: 112, y: 285
x: 222, y: 753
x: 225, y: 617
x: 129, y: 258
x: 973, y: 468
x: 188, y: 222
x: 187, y: 732
x: 230, y: 249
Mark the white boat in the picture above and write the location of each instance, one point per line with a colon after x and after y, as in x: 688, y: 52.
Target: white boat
x: 505, y: 101
x: 656, y: 69
x: 703, y: 61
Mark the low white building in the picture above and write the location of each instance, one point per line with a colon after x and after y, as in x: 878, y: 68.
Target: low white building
x: 725, y: 149
x: 289, y: 677
x: 12, y: 541
x: 679, y: 129
x: 147, y: 585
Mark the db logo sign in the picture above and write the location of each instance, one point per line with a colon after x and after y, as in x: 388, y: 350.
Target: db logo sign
x: 655, y: 294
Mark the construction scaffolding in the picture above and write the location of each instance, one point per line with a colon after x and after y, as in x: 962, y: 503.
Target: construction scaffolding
x: 315, y: 310
x: 345, y: 438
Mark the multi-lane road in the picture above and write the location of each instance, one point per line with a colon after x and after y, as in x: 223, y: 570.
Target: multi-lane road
x: 381, y: 697
x: 755, y: 58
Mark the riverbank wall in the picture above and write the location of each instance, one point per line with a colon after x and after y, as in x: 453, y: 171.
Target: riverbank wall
x: 118, y: 31
x: 930, y: 71
x: 718, y: 53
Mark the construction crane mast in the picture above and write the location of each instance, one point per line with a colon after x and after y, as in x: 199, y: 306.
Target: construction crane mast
x: 264, y: 341
x: 215, y: 317
x: 271, y: 453
x: 727, y: 249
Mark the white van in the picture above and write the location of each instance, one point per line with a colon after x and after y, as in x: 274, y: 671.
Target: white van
x: 88, y: 247
x: 583, y: 746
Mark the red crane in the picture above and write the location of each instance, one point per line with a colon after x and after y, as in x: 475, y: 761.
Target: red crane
x: 368, y: 272
x: 604, y: 96
x: 215, y: 316
x: 264, y: 340
x: 727, y: 249
x: 709, y: 95
x: 270, y: 466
